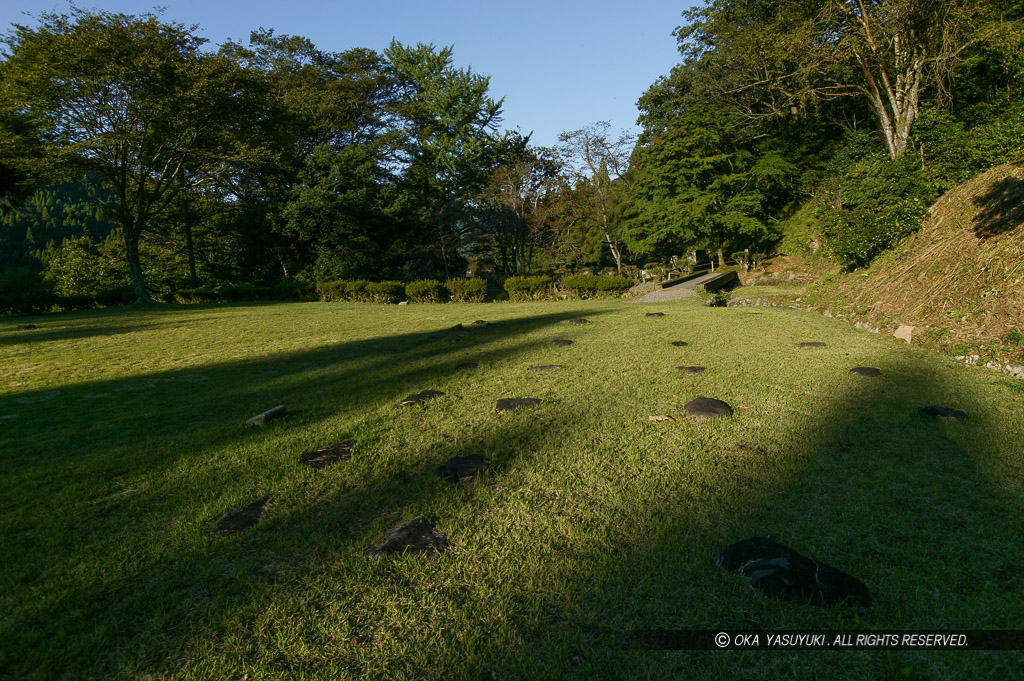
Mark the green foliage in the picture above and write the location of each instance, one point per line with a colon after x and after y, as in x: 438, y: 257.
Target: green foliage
x: 81, y: 267
x: 240, y: 292
x: 588, y: 285
x: 528, y: 288
x: 385, y: 292
x: 467, y: 290
x: 196, y: 295
x: 331, y: 291
x: 872, y: 206
x: 23, y: 291
x: 112, y: 297
x: 76, y: 301
x: 356, y: 291
x: 1014, y: 338
x: 425, y: 291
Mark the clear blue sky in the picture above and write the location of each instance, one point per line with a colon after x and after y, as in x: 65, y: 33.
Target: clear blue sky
x: 559, y: 64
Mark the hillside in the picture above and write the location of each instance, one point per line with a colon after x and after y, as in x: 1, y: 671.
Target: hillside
x: 959, y: 280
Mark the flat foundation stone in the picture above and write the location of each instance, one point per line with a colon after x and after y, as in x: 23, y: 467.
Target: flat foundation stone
x: 269, y: 415
x: 510, y: 403
x: 241, y: 518
x: 659, y: 417
x: 27, y: 327
x: 655, y: 314
x: 812, y: 344
x: 462, y: 469
x: 415, y: 536
x: 691, y: 370
x: 325, y: 456
x: 706, y: 408
x: 545, y: 367
x: 418, y: 398
x: 941, y: 412
x: 866, y: 371
x: 777, y: 570
x: 680, y: 344
x: 562, y: 342
x: 479, y: 322
x: 577, y: 321
x: 468, y: 365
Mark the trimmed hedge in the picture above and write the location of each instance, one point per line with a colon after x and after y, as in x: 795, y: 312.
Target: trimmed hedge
x: 586, y: 285
x: 425, y: 291
x: 467, y: 290
x: 528, y: 288
x: 385, y: 292
x: 331, y: 291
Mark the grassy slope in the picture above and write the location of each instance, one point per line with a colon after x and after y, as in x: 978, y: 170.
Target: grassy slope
x: 960, y: 279
x: 122, y: 438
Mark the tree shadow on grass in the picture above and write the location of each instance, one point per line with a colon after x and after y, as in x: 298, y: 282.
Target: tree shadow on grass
x: 1001, y: 209
x: 84, y: 619
x: 925, y: 512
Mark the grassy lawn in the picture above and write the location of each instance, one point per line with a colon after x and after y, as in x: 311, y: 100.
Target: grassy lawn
x: 123, y: 439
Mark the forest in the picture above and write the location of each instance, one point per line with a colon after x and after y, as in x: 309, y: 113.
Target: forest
x: 139, y: 163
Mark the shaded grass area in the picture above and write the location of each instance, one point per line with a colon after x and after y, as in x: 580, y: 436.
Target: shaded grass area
x: 123, y: 441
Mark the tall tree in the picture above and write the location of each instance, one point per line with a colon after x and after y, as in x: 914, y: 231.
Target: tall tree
x: 451, y: 148
x: 515, y: 206
x: 778, y: 58
x: 596, y: 161
x: 131, y: 101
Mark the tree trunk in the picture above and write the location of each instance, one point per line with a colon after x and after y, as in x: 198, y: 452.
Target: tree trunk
x: 721, y: 256
x: 131, y: 243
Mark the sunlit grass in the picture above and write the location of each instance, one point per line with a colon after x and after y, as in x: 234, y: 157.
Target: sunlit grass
x: 123, y: 439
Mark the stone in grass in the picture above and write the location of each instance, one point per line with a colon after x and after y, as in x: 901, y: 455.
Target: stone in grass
x: 777, y: 570
x: 866, y: 371
x: 576, y: 321
x: 269, y: 415
x: 27, y: 327
x: 415, y: 536
x: 691, y: 370
x: 462, y: 468
x: 660, y: 417
x: 468, y: 365
x: 562, y: 342
x: 680, y: 344
x: 655, y: 314
x: 457, y: 327
x: 941, y: 412
x: 418, y: 398
x: 510, y: 403
x: 545, y: 367
x: 812, y: 344
x: 325, y: 456
x: 241, y: 518
x: 706, y: 408
x: 479, y: 322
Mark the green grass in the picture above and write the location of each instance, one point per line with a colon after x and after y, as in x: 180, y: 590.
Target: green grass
x: 123, y: 438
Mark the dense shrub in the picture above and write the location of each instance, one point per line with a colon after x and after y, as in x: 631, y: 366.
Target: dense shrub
x: 873, y: 206
x: 240, y: 292
x: 614, y: 284
x: 196, y: 295
x: 356, y: 291
x: 331, y: 291
x: 112, y: 297
x: 293, y: 290
x: 23, y: 291
x: 76, y: 301
x: 425, y: 291
x: 581, y: 285
x: 528, y: 288
x: 467, y: 290
x: 385, y: 292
